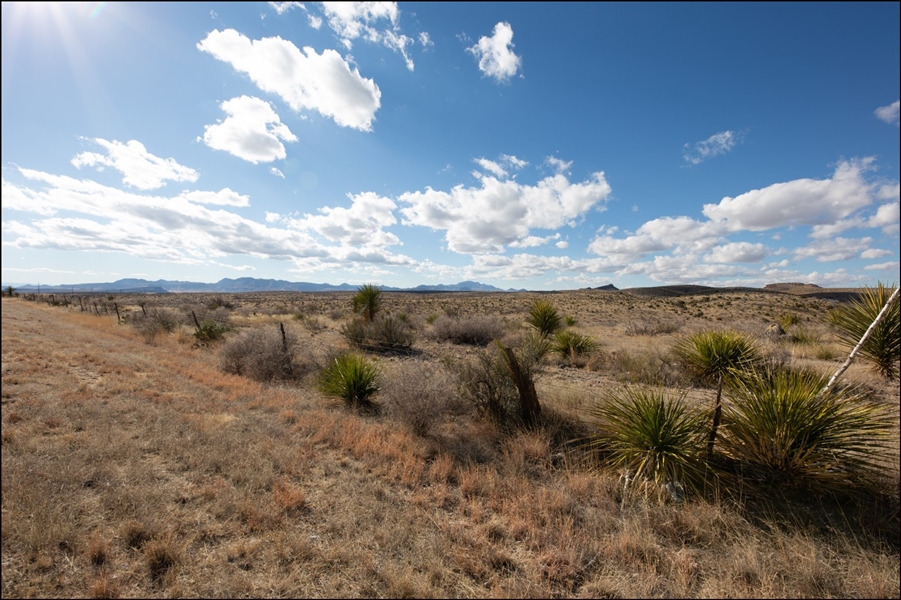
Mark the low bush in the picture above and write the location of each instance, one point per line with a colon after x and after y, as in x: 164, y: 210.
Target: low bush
x: 209, y: 331
x: 485, y: 381
x: 489, y: 383
x: 476, y: 330
x: 263, y: 355
x: 352, y: 378
x: 419, y: 398
x: 154, y: 322
x: 650, y: 329
x: 385, y: 332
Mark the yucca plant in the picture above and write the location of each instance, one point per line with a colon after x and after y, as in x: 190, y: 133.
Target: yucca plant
x: 781, y: 426
x: 717, y: 356
x: 352, y: 378
x: 570, y: 344
x: 367, y: 301
x: 544, y: 317
x: 651, y: 435
x: 883, y: 348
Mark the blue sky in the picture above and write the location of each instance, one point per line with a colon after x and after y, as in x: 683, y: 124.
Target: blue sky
x: 525, y: 145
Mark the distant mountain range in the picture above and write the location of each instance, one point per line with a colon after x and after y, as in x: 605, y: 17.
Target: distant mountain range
x: 242, y: 284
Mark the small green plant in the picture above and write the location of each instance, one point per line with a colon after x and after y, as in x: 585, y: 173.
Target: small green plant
x: 804, y: 336
x: 570, y: 344
x: 717, y: 356
x: 570, y: 321
x: 883, y: 348
x: 350, y: 377
x: 652, y: 436
x: 782, y: 428
x: 367, y: 301
x: 208, y: 331
x: 789, y: 320
x: 544, y: 317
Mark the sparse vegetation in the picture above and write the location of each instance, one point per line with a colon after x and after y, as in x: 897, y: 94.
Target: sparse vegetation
x: 477, y: 330
x: 217, y: 485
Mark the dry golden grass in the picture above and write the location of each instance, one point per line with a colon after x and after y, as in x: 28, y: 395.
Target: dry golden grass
x: 135, y: 469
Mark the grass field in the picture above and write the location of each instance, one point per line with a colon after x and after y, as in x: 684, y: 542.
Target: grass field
x: 134, y: 466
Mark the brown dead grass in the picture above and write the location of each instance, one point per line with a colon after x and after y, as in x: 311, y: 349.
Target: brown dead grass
x: 142, y: 470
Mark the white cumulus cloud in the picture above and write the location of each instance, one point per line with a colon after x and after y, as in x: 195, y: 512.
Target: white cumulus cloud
x: 832, y: 250
x: 140, y: 168
x: 738, y: 252
x: 487, y: 218
x: 495, y: 53
x: 251, y: 131
x: 359, y: 226
x: 798, y: 202
x: 303, y: 79
x: 890, y: 114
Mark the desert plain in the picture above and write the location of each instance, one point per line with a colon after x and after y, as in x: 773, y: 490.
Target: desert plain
x: 135, y: 465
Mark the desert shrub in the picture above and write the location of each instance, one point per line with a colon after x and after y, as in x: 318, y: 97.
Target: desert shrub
x: 386, y: 332
x: 355, y: 332
x: 391, y: 332
x: 352, y: 378
x: 650, y: 435
x: 789, y: 320
x: 310, y: 323
x: 783, y: 429
x: 477, y: 330
x: 367, y: 301
x: 218, y: 302
x: 263, y: 355
x: 544, y: 317
x: 571, y: 344
x: 569, y: 321
x: 488, y: 380
x: 651, y: 368
x: 485, y: 381
x: 804, y: 336
x: 883, y: 348
x: 208, y: 331
x: 650, y: 329
x: 825, y: 352
x: 419, y: 398
x: 154, y: 323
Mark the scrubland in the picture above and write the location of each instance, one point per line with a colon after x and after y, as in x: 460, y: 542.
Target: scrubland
x: 140, y: 460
